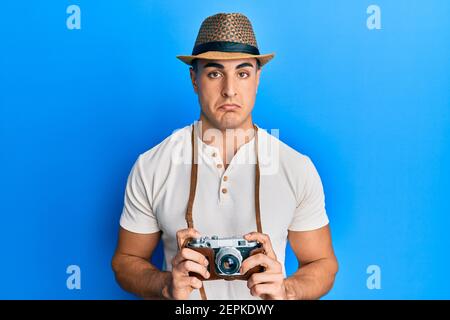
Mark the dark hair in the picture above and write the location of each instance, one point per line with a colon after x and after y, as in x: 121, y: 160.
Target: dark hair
x: 194, y: 64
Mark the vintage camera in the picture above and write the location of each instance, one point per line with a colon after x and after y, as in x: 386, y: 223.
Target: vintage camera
x: 225, y: 256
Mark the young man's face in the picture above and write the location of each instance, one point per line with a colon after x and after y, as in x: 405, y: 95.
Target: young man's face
x: 226, y: 90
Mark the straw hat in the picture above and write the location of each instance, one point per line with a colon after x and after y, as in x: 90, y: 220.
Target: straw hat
x: 226, y: 36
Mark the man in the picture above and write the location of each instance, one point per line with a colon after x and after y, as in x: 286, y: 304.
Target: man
x: 233, y: 179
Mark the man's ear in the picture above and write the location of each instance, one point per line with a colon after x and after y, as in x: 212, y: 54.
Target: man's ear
x: 193, y: 79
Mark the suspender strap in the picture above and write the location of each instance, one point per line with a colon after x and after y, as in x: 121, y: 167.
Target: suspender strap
x: 193, y: 186
x: 257, y: 185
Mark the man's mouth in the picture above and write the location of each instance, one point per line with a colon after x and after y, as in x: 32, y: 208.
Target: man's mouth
x: 229, y: 107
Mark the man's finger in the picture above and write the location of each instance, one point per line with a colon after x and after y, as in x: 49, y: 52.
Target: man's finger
x: 189, y: 254
x: 184, y: 234
x: 263, y: 289
x: 264, y: 277
x: 264, y: 239
x: 260, y: 259
x: 195, y: 283
x: 190, y: 266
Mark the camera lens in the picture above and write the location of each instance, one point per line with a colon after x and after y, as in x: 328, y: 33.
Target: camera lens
x: 228, y: 260
x: 229, y: 264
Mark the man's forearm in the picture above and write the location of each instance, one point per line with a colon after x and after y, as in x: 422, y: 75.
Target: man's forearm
x: 312, y: 280
x: 138, y: 276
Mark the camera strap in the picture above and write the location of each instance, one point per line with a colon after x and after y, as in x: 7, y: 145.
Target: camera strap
x: 193, y: 186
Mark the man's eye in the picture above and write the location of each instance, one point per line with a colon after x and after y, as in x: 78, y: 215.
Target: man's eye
x: 214, y: 74
x: 243, y: 75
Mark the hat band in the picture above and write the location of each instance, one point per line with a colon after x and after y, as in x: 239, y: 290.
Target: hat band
x: 225, y: 46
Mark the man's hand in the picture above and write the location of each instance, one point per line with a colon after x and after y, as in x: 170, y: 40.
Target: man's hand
x: 186, y: 260
x: 270, y: 283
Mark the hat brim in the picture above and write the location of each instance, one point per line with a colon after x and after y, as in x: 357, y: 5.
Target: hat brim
x: 220, y: 55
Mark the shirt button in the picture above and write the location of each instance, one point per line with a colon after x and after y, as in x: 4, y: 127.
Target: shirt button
x: 214, y: 154
x: 225, y: 178
x: 219, y: 166
x: 224, y: 190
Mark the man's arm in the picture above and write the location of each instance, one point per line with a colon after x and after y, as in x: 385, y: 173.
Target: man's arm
x: 132, y: 268
x: 318, y: 264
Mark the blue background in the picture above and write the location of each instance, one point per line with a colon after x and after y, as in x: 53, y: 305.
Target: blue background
x: 370, y: 107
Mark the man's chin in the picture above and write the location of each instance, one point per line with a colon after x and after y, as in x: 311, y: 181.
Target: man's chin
x: 230, y: 124
x: 228, y: 120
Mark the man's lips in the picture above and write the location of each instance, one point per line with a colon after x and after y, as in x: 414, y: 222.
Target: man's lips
x: 229, y: 107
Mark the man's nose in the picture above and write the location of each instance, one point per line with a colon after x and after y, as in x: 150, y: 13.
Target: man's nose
x: 228, y: 89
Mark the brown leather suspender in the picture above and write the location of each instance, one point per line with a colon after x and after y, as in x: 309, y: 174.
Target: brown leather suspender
x: 257, y: 183
x: 193, y: 186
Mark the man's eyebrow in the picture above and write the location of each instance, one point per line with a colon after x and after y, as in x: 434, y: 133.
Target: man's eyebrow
x: 218, y: 65
x: 214, y: 65
x: 245, y: 64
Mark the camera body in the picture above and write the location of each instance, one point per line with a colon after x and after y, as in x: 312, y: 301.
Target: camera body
x: 225, y: 256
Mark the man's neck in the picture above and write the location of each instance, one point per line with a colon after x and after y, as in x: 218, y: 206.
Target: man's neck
x: 228, y: 141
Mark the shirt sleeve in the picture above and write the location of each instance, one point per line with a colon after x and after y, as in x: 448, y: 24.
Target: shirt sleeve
x: 310, y: 213
x: 137, y: 214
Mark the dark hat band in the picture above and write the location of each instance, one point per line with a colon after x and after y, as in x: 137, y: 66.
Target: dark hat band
x: 225, y: 46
